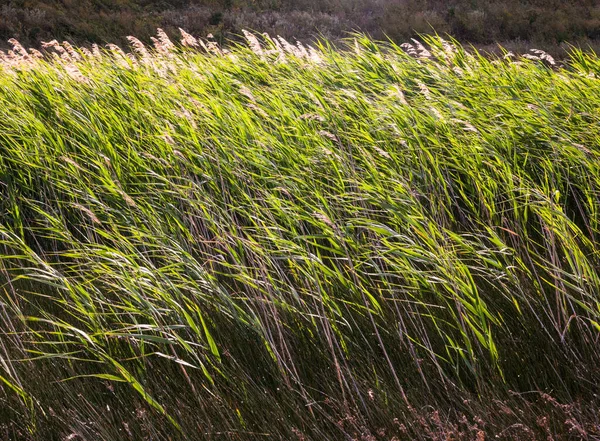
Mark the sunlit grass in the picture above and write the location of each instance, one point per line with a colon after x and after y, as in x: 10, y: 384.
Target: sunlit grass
x: 285, y: 242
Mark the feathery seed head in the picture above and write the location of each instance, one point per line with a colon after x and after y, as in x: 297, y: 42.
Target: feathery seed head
x: 253, y: 43
x: 188, y: 40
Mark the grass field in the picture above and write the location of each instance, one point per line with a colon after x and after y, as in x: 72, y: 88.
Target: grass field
x: 520, y: 25
x: 292, y: 243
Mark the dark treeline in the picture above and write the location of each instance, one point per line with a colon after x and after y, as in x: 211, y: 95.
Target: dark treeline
x: 544, y: 23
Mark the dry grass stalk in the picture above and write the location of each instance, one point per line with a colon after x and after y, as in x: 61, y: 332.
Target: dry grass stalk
x: 18, y: 49
x: 139, y: 48
x: 96, y: 51
x: 71, y: 51
x: 89, y: 213
x: 163, y: 43
x: 188, y: 40
x: 62, y: 53
x: 253, y: 43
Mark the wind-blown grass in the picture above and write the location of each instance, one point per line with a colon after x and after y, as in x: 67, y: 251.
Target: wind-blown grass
x: 282, y: 242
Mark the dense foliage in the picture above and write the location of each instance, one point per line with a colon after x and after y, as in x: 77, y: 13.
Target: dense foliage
x: 537, y: 23
x: 282, y: 242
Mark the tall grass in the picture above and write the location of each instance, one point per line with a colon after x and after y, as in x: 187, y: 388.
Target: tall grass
x: 285, y: 242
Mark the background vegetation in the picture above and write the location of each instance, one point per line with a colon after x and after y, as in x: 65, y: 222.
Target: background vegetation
x: 377, y: 243
x: 521, y: 24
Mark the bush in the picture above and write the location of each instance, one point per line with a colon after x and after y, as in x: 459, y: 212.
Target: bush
x: 481, y: 22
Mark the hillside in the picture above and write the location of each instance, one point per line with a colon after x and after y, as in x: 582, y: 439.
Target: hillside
x: 536, y: 23
x: 292, y: 243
